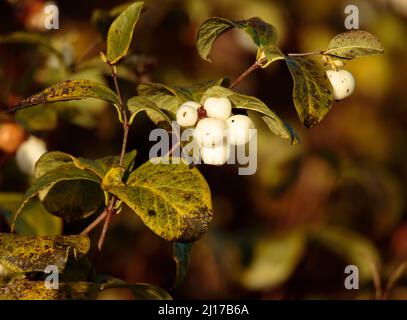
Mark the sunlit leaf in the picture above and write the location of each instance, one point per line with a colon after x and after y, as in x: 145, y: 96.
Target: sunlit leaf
x: 23, y: 289
x: 28, y: 254
x: 121, y: 32
x: 354, y: 44
x: 173, y: 200
x: 69, y: 90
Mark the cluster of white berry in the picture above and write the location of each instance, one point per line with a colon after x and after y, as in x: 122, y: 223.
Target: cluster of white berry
x: 216, y: 128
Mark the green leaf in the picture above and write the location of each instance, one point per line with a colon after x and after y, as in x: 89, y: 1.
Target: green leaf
x: 23, y: 289
x: 121, y: 32
x: 354, y: 44
x: 28, y: 254
x: 241, y: 101
x: 271, y: 53
x: 163, y: 96
x: 139, y: 103
x: 38, y: 118
x: 50, y: 179
x: 36, y: 39
x: 69, y: 90
x: 312, y: 92
x: 34, y: 220
x: 262, y: 33
x: 101, y: 166
x: 351, y: 246
x: 73, y: 200
x: 173, y: 200
x: 54, y: 159
x: 181, y: 254
x: 274, y: 260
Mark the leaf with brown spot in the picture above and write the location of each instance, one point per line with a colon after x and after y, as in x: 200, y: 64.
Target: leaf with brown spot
x: 354, y: 44
x: 179, y: 196
x: 23, y: 289
x: 69, y: 90
x: 312, y: 92
x: 121, y: 32
x: 23, y: 254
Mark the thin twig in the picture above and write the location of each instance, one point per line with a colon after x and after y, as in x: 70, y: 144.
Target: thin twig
x: 95, y: 223
x: 256, y: 65
x: 304, y: 54
x: 109, y: 215
x: 124, y: 113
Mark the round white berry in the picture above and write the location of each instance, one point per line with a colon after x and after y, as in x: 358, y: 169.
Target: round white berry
x: 239, y: 129
x: 343, y: 83
x: 187, y: 116
x: 217, y: 155
x: 29, y: 152
x: 219, y: 108
x: 210, y: 132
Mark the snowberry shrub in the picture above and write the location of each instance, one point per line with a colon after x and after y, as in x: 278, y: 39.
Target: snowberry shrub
x: 152, y: 190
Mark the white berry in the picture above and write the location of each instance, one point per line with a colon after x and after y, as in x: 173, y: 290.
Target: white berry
x: 210, y: 132
x: 343, y: 83
x: 219, y: 108
x: 239, y: 127
x: 217, y: 155
x: 29, y: 152
x: 187, y: 115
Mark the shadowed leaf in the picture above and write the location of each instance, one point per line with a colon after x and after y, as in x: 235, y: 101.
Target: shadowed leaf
x: 262, y: 33
x: 351, y: 246
x: 312, y: 92
x: 48, y: 180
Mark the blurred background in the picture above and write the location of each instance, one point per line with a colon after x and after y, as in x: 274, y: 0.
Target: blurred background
x: 286, y: 232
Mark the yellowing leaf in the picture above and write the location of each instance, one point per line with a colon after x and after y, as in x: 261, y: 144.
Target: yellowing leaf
x: 23, y: 289
x: 69, y: 90
x: 121, y: 32
x: 173, y: 200
x: 27, y: 254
